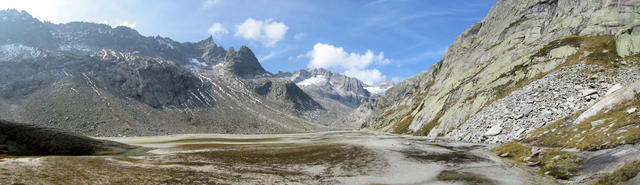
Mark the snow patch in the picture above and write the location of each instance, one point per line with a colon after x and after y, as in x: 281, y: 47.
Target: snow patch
x: 376, y: 90
x: 262, y: 75
x: 320, y: 79
x: 194, y: 62
x: 13, y: 51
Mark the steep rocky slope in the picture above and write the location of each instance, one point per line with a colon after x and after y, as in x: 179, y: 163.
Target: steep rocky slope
x: 103, y: 81
x: 516, y: 44
x: 337, y: 93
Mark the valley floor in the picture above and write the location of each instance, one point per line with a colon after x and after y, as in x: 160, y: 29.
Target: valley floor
x: 313, y: 158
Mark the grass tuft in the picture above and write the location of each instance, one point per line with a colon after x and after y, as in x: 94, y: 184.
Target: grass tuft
x: 625, y: 173
x: 557, y: 163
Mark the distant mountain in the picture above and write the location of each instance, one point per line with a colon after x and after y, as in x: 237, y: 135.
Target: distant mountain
x: 338, y: 93
x: 105, y: 81
x: 379, y: 87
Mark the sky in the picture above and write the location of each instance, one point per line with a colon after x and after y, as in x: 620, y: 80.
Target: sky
x: 373, y: 40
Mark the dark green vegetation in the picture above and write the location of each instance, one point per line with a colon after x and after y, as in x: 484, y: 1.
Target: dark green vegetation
x: 231, y: 164
x: 204, y: 140
x: 26, y: 139
x: 450, y: 157
x: 622, y: 174
x: 464, y: 177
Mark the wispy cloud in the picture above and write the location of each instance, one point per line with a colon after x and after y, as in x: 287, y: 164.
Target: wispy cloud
x: 299, y: 36
x: 210, y: 3
x: 127, y: 24
x: 424, y: 56
x: 217, y: 30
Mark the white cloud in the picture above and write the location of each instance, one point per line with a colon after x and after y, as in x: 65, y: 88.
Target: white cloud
x: 127, y: 24
x: 217, y: 30
x: 268, y: 32
x: 267, y: 57
x: 210, y: 3
x: 355, y: 64
x: 326, y: 55
x: 368, y: 76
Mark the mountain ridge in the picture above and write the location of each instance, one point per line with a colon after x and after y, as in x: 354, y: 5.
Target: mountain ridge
x: 104, y: 81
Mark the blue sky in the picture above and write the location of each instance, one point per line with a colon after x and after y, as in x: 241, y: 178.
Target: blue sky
x: 371, y: 40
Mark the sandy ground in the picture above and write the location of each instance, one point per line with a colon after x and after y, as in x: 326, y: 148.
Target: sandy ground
x: 312, y: 158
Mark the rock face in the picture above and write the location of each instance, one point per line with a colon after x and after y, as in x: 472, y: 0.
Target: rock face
x: 26, y: 139
x: 103, y: 81
x: 516, y: 45
x: 244, y: 63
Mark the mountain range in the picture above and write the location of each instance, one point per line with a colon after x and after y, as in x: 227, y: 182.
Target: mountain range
x: 103, y: 81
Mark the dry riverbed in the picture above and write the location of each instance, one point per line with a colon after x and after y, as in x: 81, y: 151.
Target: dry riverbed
x: 313, y: 158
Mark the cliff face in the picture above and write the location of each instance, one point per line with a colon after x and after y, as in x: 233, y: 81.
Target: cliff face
x: 516, y: 44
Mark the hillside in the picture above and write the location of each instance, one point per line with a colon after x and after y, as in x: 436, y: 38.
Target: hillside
x: 554, y: 81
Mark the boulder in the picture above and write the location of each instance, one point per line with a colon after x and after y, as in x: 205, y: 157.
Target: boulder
x: 562, y: 52
x: 628, y: 41
x: 493, y: 131
x: 610, y: 101
x: 613, y: 89
x: 588, y: 92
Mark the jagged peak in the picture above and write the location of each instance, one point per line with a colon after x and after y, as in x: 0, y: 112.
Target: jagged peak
x: 15, y: 13
x: 207, y: 42
x: 244, y: 49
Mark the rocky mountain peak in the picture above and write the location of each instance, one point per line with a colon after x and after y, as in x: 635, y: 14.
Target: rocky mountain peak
x: 322, y: 83
x: 244, y: 63
x: 15, y: 15
x: 212, y: 53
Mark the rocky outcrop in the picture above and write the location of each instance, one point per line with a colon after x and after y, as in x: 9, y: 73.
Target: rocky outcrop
x: 285, y: 91
x: 27, y: 139
x: 628, y: 41
x: 517, y: 43
x: 243, y: 63
x: 618, y: 97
